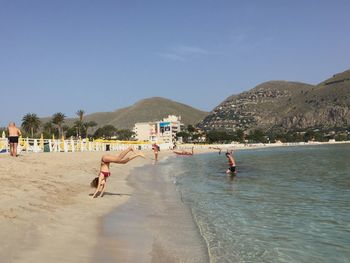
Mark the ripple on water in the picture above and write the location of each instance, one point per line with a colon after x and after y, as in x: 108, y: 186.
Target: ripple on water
x: 285, y: 204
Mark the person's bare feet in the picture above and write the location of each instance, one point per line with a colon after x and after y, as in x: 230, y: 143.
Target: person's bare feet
x: 141, y: 155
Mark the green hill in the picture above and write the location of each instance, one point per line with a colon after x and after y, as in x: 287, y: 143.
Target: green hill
x: 150, y: 109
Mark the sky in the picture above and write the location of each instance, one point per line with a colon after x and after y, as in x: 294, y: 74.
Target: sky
x: 66, y: 55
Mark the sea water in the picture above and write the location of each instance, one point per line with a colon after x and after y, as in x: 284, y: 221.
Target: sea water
x: 287, y: 204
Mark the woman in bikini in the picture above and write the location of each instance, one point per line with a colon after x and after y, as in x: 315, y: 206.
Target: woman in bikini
x: 100, y: 181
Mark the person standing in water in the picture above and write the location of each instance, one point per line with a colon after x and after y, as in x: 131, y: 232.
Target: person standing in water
x: 14, y: 133
x: 155, y: 149
x: 100, y: 181
x: 232, y: 164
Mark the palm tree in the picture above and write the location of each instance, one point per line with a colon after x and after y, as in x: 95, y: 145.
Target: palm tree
x: 79, y: 123
x: 58, y: 119
x: 48, y: 128
x: 88, y: 125
x: 80, y: 114
x: 31, y: 123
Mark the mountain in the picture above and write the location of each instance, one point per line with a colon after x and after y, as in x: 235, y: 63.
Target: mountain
x: 150, y: 109
x: 286, y: 105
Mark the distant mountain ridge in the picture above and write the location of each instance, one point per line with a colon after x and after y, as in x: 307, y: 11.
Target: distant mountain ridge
x: 150, y: 109
x: 286, y: 105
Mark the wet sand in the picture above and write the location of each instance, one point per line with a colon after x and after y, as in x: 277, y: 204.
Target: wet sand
x: 152, y: 226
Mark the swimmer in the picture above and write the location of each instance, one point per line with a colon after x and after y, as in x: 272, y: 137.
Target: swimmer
x: 216, y: 148
x: 232, y: 164
x: 183, y: 152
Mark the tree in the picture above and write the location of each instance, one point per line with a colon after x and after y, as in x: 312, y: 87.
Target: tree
x: 240, y: 135
x: 58, y: 119
x: 71, y: 131
x: 220, y: 136
x: 125, y: 134
x: 190, y: 128
x: 183, y: 135
x: 88, y: 125
x: 79, y: 123
x: 107, y: 132
x: 80, y: 114
x: 257, y: 136
x: 49, y: 129
x: 31, y: 123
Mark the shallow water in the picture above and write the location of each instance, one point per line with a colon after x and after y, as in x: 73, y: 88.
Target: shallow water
x: 288, y: 204
x: 154, y: 225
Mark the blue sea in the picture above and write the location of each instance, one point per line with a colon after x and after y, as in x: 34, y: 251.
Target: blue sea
x: 287, y: 204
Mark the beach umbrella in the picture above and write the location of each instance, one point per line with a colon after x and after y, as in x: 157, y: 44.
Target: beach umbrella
x: 41, y: 141
x: 62, y: 143
x: 3, y: 135
x: 53, y: 137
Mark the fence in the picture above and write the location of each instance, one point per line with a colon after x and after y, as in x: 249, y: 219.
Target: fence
x: 71, y: 145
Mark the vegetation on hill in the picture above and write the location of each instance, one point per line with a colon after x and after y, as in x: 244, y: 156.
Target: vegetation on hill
x: 150, y: 109
x: 122, y: 120
x: 284, y: 106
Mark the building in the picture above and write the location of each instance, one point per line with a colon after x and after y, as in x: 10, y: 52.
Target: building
x: 163, y: 131
x: 145, y: 131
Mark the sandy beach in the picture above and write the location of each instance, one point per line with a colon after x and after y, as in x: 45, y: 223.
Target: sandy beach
x: 47, y: 214
x: 46, y: 211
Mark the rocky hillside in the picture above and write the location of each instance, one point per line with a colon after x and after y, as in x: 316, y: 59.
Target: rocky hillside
x: 286, y: 105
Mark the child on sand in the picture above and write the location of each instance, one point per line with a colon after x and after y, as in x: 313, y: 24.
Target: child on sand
x: 232, y: 164
x: 100, y: 181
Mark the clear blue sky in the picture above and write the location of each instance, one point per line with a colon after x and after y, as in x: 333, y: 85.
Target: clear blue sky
x: 104, y: 55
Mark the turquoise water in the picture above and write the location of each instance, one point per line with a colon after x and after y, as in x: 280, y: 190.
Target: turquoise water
x: 288, y: 204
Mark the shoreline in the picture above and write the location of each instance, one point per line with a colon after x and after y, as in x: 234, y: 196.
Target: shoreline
x: 154, y: 225
x: 46, y: 212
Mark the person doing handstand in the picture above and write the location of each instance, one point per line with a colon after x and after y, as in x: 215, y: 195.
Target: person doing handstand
x: 100, y: 181
x: 232, y: 164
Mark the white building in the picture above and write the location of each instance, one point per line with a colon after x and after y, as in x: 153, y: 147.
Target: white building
x: 163, y: 131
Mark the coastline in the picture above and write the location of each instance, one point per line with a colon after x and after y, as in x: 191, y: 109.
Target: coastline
x: 154, y: 225
x: 46, y: 213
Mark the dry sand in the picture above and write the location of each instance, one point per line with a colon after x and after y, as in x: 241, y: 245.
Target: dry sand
x: 46, y: 211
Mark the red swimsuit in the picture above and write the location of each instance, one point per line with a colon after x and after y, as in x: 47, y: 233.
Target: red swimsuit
x: 106, y: 174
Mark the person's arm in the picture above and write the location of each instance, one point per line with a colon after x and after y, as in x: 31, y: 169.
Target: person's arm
x: 19, y: 132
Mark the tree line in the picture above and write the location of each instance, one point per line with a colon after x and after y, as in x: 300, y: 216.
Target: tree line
x: 32, y: 125
x: 191, y: 134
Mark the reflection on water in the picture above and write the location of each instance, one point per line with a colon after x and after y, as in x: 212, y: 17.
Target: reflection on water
x: 284, y: 205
